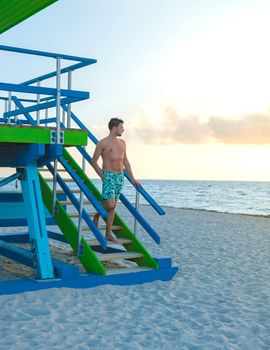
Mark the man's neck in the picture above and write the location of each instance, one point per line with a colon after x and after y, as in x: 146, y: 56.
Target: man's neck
x: 112, y: 136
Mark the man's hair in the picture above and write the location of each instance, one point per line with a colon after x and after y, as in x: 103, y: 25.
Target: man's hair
x: 114, y: 122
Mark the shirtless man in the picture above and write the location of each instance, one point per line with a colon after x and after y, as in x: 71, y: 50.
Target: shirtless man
x: 113, y: 153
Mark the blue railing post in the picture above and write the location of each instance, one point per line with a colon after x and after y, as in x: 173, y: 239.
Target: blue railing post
x: 38, y: 102
x: 36, y: 221
x: 58, y: 106
x: 79, y: 243
x: 69, y: 105
x: 137, y: 199
x: 9, y: 104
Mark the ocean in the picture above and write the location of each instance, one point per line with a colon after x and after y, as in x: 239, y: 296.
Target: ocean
x: 238, y: 197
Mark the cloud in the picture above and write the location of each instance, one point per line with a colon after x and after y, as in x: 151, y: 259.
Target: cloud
x: 175, y: 128
x: 251, y: 129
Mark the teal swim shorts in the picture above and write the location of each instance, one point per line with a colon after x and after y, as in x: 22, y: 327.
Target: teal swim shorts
x: 112, y: 185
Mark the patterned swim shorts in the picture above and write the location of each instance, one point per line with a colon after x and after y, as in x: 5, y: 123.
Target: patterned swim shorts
x: 112, y: 185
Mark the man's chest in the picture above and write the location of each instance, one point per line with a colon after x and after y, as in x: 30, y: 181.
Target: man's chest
x: 115, y: 150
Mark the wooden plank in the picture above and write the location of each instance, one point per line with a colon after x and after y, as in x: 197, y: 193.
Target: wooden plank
x: 124, y: 270
x: 73, y: 191
x: 47, y: 170
x: 70, y: 203
x: 50, y: 179
x: 119, y: 256
x: 76, y: 215
x: 94, y: 242
x: 103, y: 228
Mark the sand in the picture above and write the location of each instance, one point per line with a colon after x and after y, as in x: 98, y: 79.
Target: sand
x: 220, y: 298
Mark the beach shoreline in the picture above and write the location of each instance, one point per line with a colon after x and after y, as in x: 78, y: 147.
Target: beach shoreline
x: 210, y: 211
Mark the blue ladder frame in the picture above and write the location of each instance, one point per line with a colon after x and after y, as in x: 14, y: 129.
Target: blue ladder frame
x: 36, y: 221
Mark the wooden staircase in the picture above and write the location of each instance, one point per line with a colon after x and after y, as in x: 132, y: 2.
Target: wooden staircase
x: 127, y: 254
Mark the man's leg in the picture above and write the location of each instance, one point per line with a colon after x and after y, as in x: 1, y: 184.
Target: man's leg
x: 106, y: 184
x: 109, y: 206
x: 96, y: 218
x: 109, y: 187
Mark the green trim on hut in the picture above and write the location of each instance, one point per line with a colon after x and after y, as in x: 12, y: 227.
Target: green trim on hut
x: 35, y: 134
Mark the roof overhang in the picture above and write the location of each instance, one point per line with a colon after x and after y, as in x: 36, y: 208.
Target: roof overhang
x: 13, y: 12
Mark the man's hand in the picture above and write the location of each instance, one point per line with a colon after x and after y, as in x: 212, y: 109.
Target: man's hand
x: 136, y: 183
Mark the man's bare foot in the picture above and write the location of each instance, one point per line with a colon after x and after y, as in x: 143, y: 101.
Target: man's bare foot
x: 111, y: 238
x: 95, y: 219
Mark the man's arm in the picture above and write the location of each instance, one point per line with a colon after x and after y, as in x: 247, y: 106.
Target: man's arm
x: 129, y: 170
x: 96, y: 155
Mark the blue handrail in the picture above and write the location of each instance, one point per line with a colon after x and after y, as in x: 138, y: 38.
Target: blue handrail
x: 24, y: 87
x: 42, y: 106
x: 83, y: 187
x: 153, y: 234
x: 76, y: 204
x: 46, y: 54
x: 128, y: 205
x: 27, y: 115
x: 53, y: 74
x: 9, y: 179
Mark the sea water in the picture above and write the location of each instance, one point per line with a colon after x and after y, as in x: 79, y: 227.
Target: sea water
x: 242, y: 197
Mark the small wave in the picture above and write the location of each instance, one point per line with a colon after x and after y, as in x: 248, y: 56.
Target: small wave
x: 241, y: 193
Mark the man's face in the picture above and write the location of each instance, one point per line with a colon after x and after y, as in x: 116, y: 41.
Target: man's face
x: 119, y: 129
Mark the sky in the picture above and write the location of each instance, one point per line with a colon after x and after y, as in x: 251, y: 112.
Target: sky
x: 191, y: 79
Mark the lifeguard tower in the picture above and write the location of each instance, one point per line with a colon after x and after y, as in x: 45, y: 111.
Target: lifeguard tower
x: 37, y: 131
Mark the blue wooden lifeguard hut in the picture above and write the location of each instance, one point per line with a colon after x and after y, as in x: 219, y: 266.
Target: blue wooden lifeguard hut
x: 37, y: 130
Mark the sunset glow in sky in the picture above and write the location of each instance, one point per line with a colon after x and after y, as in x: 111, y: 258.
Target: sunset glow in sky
x: 191, y: 79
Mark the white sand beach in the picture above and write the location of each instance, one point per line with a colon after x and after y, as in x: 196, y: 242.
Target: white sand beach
x: 219, y: 299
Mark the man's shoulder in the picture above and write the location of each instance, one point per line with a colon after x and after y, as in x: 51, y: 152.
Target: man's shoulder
x: 102, y: 141
x: 123, y: 142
